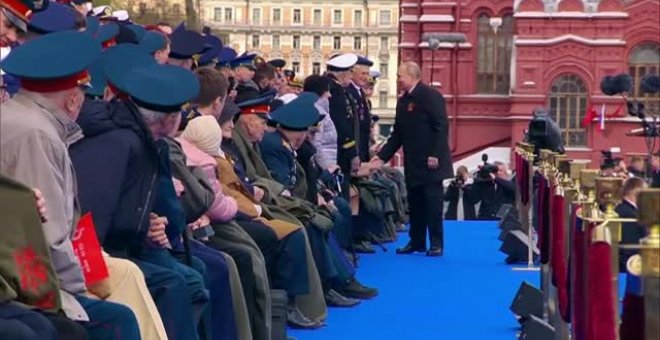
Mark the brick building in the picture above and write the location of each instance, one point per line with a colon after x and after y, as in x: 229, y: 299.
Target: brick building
x: 524, y: 54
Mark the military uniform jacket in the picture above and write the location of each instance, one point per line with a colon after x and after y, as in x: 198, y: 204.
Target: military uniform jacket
x: 421, y: 128
x: 280, y: 158
x: 342, y: 115
x: 363, y: 124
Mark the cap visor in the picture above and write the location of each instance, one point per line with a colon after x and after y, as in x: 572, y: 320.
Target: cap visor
x: 16, y: 21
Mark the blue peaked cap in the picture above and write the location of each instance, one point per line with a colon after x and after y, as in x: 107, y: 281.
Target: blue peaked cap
x: 226, y: 55
x: 57, y: 17
x: 92, y: 26
x: 256, y: 101
x: 138, y: 30
x: 27, y: 61
x: 107, y: 32
x: 121, y: 60
x: 299, y: 114
x: 152, y: 42
x: 99, y: 79
x: 162, y: 88
x: 185, y: 44
x: 246, y: 60
x: 364, y: 61
x: 210, y: 56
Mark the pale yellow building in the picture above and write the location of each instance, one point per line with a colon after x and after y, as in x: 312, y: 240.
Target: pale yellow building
x: 306, y: 34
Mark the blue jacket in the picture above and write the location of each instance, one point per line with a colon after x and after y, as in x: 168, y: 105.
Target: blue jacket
x: 117, y: 169
x: 167, y: 203
x: 279, y: 158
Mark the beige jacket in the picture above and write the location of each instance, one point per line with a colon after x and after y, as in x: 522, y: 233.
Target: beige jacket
x: 34, y: 138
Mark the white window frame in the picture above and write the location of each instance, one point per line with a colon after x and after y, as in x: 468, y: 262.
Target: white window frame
x: 341, y: 23
x: 313, y: 19
x: 261, y: 16
x: 302, y: 17
x: 356, y: 38
x: 333, y: 43
x: 293, y: 39
x: 279, y: 42
x: 361, y: 18
x: 224, y: 15
x: 272, y: 16
x: 380, y: 16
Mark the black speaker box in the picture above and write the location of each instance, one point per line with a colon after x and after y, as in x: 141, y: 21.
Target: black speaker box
x: 535, y: 328
x: 507, y: 226
x: 528, y: 301
x: 279, y: 307
x: 515, y: 245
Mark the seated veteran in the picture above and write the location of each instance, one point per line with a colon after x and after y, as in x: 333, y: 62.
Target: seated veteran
x: 282, y: 243
x: 37, y: 126
x: 278, y: 150
x: 119, y: 147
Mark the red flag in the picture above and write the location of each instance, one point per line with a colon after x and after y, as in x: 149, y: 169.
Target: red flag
x: 88, y: 251
x: 589, y: 116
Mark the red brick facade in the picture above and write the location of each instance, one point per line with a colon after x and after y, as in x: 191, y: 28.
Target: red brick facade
x: 549, y: 42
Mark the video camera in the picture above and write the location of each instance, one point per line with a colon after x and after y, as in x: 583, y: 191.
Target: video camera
x: 484, y: 173
x: 544, y: 133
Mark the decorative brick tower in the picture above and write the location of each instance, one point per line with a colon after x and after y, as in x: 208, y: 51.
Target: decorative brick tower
x: 524, y: 54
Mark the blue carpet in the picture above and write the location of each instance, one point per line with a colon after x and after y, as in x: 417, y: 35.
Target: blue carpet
x: 463, y: 295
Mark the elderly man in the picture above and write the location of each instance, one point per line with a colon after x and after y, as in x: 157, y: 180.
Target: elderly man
x: 359, y: 100
x: 38, y: 125
x: 342, y: 114
x: 115, y: 131
x: 421, y: 128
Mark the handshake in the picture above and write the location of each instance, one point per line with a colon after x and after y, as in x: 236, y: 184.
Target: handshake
x: 366, y: 169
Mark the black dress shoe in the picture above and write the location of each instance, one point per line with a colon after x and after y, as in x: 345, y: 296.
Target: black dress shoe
x: 296, y: 319
x: 334, y: 299
x: 354, y: 289
x: 409, y: 249
x: 435, y: 251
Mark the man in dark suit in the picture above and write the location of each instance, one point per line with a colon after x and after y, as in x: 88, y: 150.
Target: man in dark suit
x: 421, y: 127
x: 631, y: 232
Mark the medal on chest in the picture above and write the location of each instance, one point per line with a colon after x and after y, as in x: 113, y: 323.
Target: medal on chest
x: 410, y: 107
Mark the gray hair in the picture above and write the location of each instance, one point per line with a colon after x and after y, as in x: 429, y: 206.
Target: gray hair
x: 151, y: 116
x: 412, y: 69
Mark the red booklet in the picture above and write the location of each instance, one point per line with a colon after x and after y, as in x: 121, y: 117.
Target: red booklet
x: 88, y: 251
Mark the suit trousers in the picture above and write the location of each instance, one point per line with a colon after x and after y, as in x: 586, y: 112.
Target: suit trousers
x: 230, y: 238
x: 20, y: 323
x: 66, y: 328
x: 169, y: 290
x: 109, y: 320
x: 126, y: 285
x: 425, y: 204
x: 220, y: 321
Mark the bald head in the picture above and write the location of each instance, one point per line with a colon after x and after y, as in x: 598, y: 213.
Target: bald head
x: 408, y: 75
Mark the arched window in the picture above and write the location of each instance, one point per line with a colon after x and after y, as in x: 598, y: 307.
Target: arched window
x: 568, y: 105
x: 645, y: 59
x: 494, y: 44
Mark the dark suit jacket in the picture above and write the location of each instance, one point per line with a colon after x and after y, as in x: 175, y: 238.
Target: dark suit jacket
x: 631, y: 233
x: 361, y: 109
x: 422, y: 128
